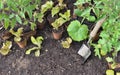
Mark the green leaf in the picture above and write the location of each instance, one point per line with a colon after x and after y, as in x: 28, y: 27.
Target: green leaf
x: 78, y: 12
x: 66, y: 44
x: 6, y: 23
x: 22, y: 14
x: 32, y: 25
x: 31, y: 49
x: 66, y: 15
x: 1, y: 5
x: 86, y: 12
x: 17, y: 34
x: 11, y: 15
x: 77, y: 31
x: 58, y: 22
x: 18, y: 19
x: 13, y: 23
x: 109, y: 59
x: 48, y: 5
x: 34, y: 41
x: 109, y: 72
x: 55, y: 10
x: 40, y: 17
x: 40, y: 38
x: 6, y: 48
x: 91, y: 18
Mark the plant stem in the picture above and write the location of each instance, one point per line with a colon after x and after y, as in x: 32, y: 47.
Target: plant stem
x: 83, y: 20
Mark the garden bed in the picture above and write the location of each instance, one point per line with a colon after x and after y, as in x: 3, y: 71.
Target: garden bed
x: 53, y: 58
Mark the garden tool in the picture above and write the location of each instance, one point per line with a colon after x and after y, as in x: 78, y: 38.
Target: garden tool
x: 85, y: 51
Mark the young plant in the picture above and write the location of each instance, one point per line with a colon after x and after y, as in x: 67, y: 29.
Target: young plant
x: 17, y: 34
x: 16, y: 12
x: 61, y: 20
x: 110, y: 72
x: 45, y: 7
x: 57, y: 8
x: 60, y: 3
x: 77, y: 31
x: 109, y: 42
x: 36, y: 41
x: 85, y: 7
x: 67, y: 42
x: 6, y: 47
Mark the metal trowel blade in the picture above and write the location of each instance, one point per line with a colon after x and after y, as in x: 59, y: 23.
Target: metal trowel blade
x: 84, y: 51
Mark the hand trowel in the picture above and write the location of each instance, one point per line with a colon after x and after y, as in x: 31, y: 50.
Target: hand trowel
x: 85, y: 51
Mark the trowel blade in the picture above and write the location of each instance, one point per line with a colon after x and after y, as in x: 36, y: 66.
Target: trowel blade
x: 84, y: 51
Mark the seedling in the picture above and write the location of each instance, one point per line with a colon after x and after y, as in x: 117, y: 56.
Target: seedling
x: 17, y: 34
x: 45, y: 7
x: 36, y: 41
x: 77, y: 31
x: 61, y: 20
x: 58, y: 7
x: 55, y: 10
x: 83, y: 9
x: 14, y: 12
x: 109, y: 72
x: 67, y: 42
x: 6, y: 47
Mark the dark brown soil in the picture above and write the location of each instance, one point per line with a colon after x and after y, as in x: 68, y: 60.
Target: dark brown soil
x: 54, y: 60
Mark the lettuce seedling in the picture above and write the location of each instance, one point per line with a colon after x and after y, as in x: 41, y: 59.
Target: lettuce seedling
x: 55, y: 10
x: 66, y: 15
x: 77, y: 31
x: 109, y: 72
x: 6, y: 48
x: 67, y: 42
x: 17, y: 34
x: 58, y: 7
x: 58, y: 22
x: 36, y: 41
x: 61, y: 20
x: 45, y: 7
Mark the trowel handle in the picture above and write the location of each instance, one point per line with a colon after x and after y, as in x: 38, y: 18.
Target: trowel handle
x: 97, y: 27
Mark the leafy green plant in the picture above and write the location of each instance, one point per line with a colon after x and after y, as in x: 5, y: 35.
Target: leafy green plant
x: 85, y: 7
x: 44, y: 8
x: 17, y: 34
x: 61, y: 20
x: 36, y: 41
x: 58, y: 7
x: 14, y: 12
x: 67, y: 42
x: 66, y: 15
x: 55, y: 10
x: 77, y: 31
x: 109, y: 42
x: 6, y: 47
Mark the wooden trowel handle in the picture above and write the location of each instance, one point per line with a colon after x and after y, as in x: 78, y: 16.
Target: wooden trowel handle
x: 97, y: 27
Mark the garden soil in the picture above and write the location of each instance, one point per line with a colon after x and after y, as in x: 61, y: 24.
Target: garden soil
x: 54, y: 59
